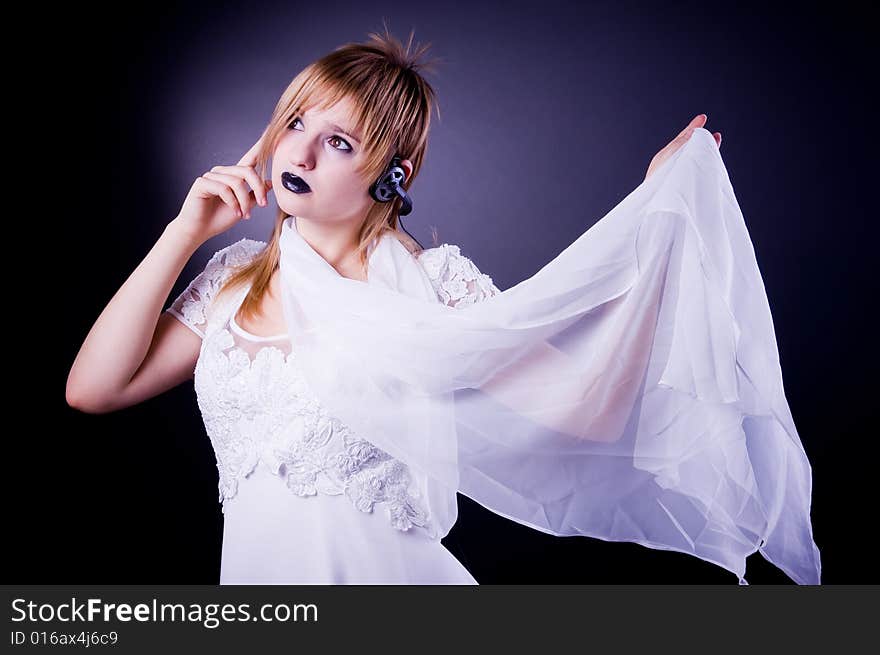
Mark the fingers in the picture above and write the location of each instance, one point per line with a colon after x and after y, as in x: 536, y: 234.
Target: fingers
x: 698, y: 121
x: 238, y: 179
x: 222, y: 190
x: 238, y: 187
x: 667, y: 151
x: 259, y: 186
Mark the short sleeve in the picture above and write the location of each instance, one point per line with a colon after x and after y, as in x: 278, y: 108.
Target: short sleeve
x: 456, y: 278
x: 192, y: 306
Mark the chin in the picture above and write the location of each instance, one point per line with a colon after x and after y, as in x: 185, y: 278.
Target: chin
x: 292, y: 206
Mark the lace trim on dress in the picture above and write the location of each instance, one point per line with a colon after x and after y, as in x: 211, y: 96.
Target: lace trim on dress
x: 298, y: 441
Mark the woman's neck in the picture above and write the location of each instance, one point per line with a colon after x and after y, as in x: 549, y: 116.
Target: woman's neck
x: 335, y: 243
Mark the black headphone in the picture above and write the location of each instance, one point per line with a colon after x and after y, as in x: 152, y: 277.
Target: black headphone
x: 388, y: 186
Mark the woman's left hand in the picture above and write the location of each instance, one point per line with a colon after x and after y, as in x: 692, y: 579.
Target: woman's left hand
x: 678, y: 142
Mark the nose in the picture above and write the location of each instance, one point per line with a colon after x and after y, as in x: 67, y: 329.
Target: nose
x: 301, y: 155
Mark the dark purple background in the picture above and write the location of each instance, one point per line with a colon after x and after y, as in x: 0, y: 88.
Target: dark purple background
x: 550, y: 114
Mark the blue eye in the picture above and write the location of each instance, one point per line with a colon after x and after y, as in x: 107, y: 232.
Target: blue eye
x: 348, y: 147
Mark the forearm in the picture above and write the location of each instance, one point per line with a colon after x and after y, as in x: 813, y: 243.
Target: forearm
x: 550, y: 389
x: 119, y: 340
x: 588, y: 400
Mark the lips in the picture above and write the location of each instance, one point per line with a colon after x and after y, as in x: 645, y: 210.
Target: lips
x: 294, y: 183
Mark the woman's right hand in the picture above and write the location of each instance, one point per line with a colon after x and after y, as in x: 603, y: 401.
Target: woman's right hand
x: 223, y: 196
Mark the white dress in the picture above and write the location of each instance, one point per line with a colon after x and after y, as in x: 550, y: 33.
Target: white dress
x: 306, y: 501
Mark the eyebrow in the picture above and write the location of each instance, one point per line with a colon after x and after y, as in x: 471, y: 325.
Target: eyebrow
x: 337, y: 128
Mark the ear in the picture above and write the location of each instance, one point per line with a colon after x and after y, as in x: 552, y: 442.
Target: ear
x: 407, y: 166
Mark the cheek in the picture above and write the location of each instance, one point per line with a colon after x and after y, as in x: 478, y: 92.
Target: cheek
x: 345, y: 177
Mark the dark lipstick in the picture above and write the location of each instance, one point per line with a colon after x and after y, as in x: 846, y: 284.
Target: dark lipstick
x: 294, y: 183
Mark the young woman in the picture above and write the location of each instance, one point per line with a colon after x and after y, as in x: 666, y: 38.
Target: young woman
x: 340, y: 368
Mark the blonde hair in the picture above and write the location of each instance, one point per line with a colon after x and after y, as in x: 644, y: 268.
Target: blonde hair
x: 392, y: 111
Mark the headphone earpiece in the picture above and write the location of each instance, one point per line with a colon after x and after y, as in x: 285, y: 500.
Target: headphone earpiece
x: 388, y: 186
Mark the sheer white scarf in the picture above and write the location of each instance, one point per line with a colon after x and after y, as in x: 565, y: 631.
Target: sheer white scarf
x: 630, y: 390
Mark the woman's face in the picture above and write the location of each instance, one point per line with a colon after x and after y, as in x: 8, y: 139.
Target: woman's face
x: 320, y: 148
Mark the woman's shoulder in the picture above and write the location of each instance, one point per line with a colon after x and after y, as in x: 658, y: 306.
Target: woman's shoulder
x: 455, y: 277
x: 437, y: 258
x: 195, y: 302
x: 226, y: 261
x: 238, y: 252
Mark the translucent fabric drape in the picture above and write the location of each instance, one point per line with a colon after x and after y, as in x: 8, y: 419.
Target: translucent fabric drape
x: 630, y: 390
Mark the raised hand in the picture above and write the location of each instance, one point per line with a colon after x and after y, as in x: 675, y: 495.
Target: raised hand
x: 678, y: 142
x: 224, y: 195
